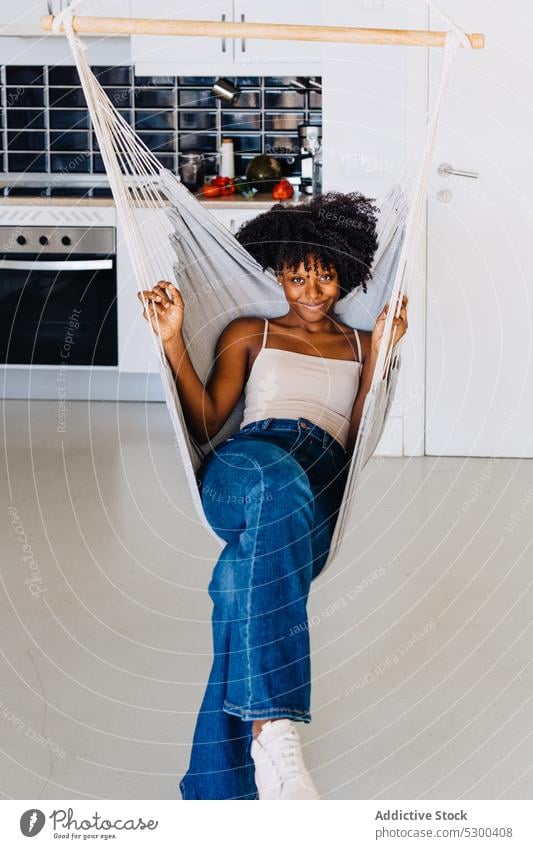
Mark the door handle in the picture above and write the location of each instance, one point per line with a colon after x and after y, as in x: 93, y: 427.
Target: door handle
x: 243, y: 40
x: 56, y: 265
x: 446, y: 170
x: 223, y: 39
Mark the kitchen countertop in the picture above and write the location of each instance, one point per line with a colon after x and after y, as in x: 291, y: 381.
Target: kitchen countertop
x: 260, y: 201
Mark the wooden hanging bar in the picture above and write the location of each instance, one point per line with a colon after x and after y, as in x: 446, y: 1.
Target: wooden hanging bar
x: 276, y: 32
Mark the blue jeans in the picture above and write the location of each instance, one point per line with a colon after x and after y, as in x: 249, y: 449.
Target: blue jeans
x: 272, y: 491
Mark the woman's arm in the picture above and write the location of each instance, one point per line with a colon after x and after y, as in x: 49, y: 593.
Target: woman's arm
x: 205, y: 408
x: 370, y: 344
x: 367, y: 373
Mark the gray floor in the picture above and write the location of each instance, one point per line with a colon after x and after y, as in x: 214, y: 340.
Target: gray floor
x: 421, y: 630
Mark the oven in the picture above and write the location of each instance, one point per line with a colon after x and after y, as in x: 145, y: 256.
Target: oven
x: 58, y: 296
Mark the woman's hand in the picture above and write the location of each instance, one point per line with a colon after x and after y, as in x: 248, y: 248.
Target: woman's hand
x: 165, y: 300
x: 400, y: 323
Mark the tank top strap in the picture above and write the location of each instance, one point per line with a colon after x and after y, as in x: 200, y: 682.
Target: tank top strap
x: 358, y: 343
x: 265, y: 333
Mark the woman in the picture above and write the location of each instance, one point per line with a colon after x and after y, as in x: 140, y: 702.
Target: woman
x: 273, y: 489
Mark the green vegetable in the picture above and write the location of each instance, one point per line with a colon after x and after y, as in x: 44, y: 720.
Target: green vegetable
x: 244, y: 188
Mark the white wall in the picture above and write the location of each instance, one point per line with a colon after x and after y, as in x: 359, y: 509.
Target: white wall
x: 54, y: 50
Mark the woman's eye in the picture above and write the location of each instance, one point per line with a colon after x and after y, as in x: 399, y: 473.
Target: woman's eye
x: 325, y: 277
x: 297, y: 280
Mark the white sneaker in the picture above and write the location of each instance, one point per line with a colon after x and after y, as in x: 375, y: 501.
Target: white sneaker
x: 280, y: 771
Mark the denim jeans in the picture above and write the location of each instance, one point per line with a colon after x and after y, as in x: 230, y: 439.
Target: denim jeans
x: 272, y: 491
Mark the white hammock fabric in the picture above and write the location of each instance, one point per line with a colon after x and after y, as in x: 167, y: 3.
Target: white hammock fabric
x: 172, y: 236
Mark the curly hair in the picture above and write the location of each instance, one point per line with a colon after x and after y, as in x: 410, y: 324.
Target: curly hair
x: 334, y: 229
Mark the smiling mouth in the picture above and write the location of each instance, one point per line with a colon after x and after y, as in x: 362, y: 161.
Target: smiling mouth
x: 314, y: 306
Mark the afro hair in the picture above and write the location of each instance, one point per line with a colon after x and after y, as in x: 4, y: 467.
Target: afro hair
x: 334, y: 229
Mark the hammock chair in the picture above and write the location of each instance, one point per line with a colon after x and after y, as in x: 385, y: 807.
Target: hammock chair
x: 172, y: 236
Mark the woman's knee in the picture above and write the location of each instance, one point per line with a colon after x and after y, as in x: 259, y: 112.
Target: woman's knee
x: 252, y: 478
x: 286, y: 490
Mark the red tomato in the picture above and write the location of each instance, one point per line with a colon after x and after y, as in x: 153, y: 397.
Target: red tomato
x: 210, y: 191
x: 225, y: 184
x: 282, y: 190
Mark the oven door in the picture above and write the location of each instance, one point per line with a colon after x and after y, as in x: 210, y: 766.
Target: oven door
x: 56, y: 310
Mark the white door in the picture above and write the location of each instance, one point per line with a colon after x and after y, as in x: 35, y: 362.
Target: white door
x: 161, y: 54
x: 479, y: 386
x: 298, y: 57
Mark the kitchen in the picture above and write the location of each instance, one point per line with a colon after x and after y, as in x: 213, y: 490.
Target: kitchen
x: 194, y: 124
x: 90, y: 459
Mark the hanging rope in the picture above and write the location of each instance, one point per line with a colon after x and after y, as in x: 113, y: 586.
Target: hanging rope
x: 458, y: 31
x: 219, y: 279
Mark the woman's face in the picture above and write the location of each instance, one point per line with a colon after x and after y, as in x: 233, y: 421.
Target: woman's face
x: 311, y: 294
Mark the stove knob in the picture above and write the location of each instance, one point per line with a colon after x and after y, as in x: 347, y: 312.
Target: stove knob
x: 43, y: 240
x: 21, y: 240
x: 66, y: 240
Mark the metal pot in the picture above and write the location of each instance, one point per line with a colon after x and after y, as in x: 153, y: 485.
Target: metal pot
x: 225, y: 90
x: 192, y: 170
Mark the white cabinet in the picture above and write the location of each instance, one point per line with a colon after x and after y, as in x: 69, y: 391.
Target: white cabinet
x: 136, y: 349
x: 22, y: 21
x: 305, y: 56
x: 24, y: 17
x: 160, y: 55
x: 103, y: 8
x: 233, y: 218
x: 98, y: 8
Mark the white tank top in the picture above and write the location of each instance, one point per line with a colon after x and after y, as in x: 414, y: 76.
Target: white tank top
x: 287, y: 385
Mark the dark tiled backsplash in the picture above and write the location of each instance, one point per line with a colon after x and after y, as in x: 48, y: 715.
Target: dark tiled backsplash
x: 45, y: 125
